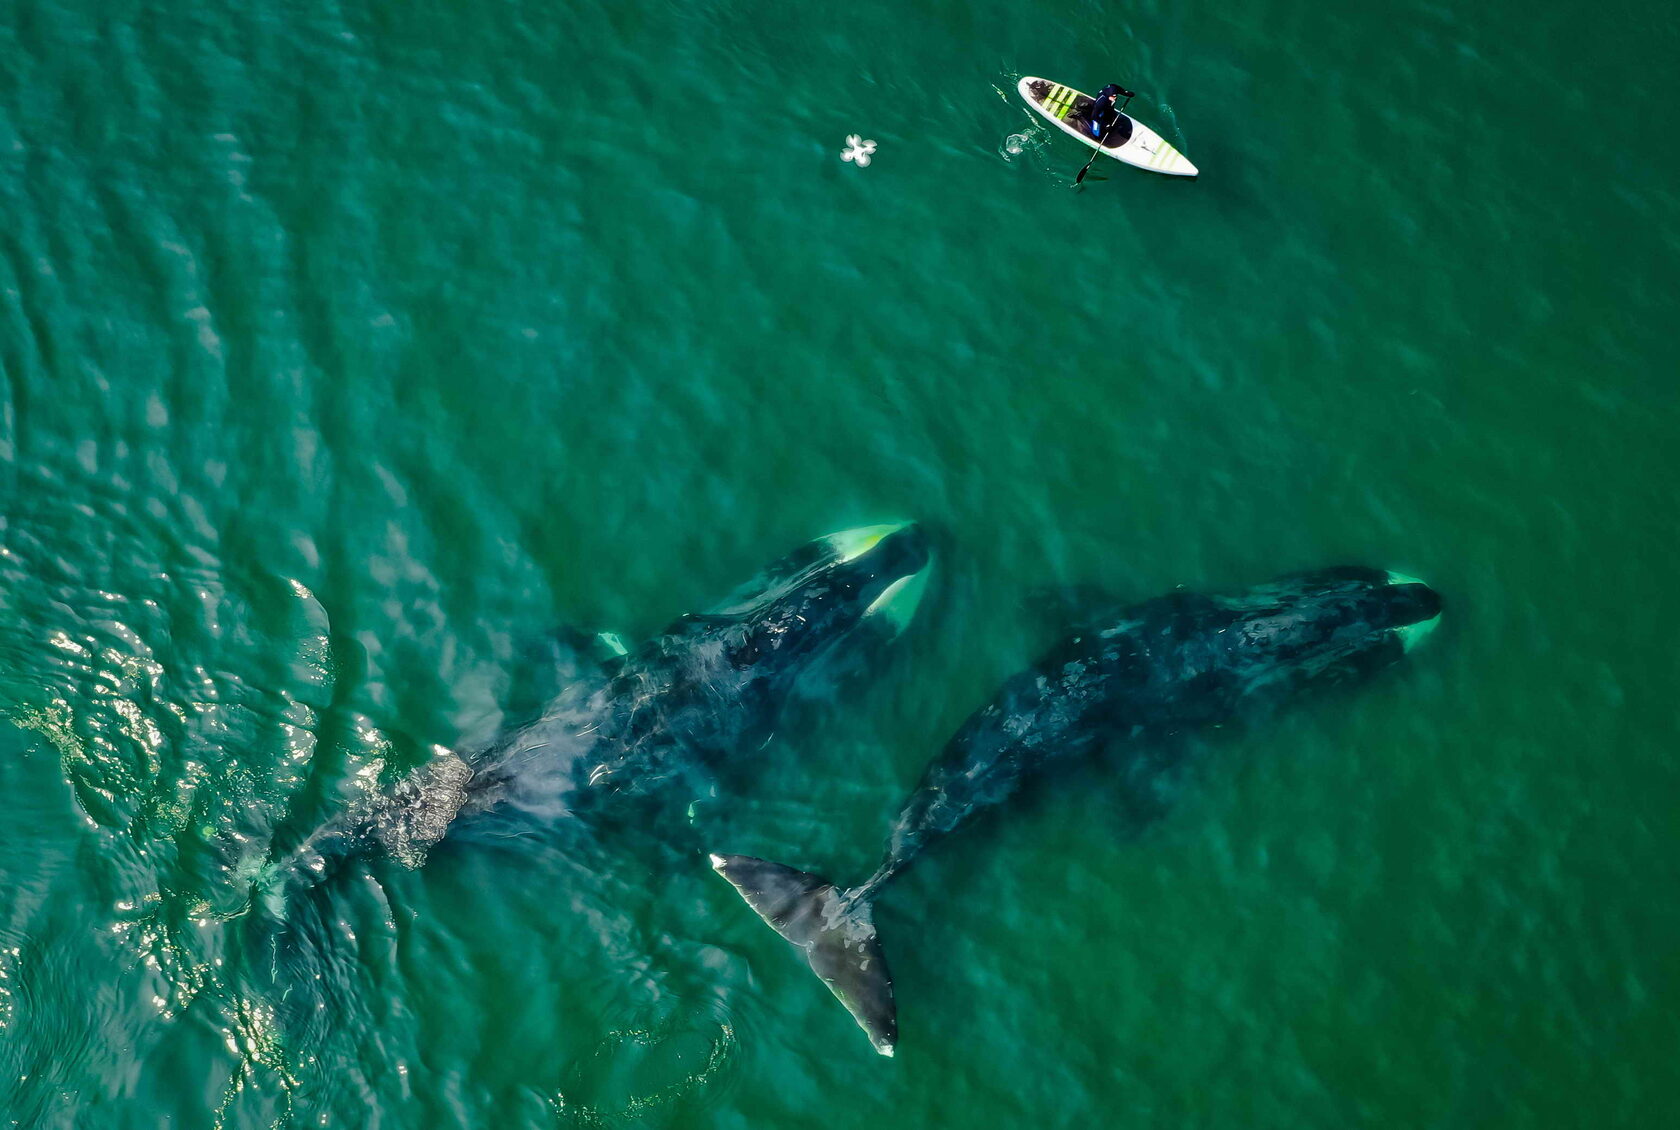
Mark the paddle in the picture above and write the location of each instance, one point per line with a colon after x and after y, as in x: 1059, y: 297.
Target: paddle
x: 1080, y: 179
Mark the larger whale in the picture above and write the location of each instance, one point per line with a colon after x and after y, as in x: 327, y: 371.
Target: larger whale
x: 1169, y: 665
x: 711, y: 686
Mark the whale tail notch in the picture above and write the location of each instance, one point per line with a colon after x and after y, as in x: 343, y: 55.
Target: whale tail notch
x: 835, y: 931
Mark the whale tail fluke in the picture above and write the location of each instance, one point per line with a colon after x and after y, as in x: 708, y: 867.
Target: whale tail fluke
x: 835, y: 931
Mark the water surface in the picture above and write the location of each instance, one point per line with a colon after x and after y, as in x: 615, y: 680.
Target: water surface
x: 349, y: 349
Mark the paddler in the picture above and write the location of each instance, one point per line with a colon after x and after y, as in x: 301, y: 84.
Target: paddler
x: 1103, y: 114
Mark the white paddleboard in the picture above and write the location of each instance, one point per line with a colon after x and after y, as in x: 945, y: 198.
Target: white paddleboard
x: 1129, y: 140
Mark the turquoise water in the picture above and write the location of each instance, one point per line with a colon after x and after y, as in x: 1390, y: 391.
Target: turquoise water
x: 350, y: 349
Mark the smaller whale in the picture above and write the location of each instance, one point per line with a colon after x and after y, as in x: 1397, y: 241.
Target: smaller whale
x: 1174, y: 664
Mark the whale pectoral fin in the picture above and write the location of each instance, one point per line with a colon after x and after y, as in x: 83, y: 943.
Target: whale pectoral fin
x: 608, y: 647
x: 836, y: 935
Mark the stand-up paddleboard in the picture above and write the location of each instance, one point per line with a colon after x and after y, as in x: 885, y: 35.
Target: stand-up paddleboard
x: 1129, y: 140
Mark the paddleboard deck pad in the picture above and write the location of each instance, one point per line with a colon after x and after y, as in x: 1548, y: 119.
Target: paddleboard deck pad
x: 1129, y: 140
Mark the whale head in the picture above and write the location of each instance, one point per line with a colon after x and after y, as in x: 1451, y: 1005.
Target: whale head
x: 1332, y: 624
x: 714, y: 683
x: 866, y: 580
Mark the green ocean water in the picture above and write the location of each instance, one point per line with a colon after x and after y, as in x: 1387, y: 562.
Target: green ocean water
x: 348, y: 349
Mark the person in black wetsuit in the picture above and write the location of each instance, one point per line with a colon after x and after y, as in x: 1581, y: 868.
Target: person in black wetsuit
x: 1103, y: 114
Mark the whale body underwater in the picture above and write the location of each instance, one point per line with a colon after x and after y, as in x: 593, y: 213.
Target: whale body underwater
x: 712, y: 685
x: 1127, y: 680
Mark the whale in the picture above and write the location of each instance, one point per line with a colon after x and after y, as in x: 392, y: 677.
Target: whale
x: 709, y: 688
x: 1121, y: 684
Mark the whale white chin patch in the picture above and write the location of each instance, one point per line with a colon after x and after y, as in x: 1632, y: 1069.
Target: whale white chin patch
x: 1412, y: 634
x: 898, y: 601
x: 849, y: 545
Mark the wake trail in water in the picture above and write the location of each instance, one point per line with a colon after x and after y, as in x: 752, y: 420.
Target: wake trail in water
x: 1033, y: 145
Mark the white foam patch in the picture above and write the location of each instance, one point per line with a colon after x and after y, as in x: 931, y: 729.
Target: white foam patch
x: 858, y: 149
